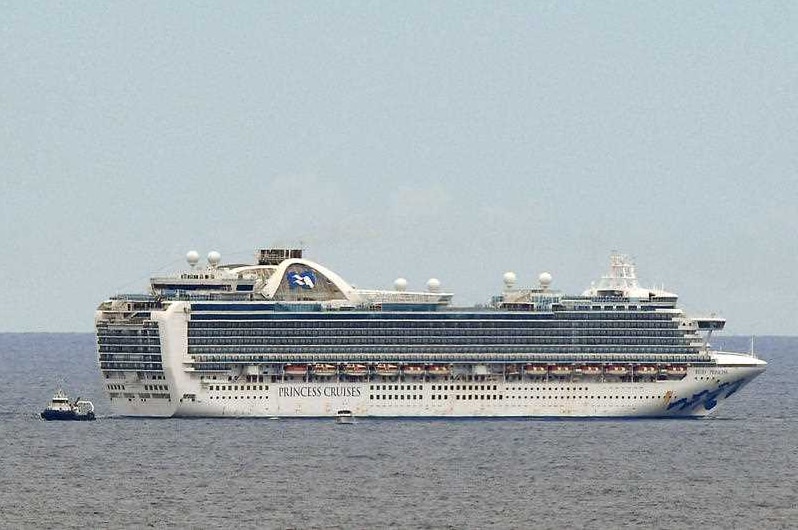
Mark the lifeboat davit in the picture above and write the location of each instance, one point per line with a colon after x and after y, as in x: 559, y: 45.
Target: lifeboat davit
x: 616, y: 370
x: 324, y: 370
x: 295, y: 369
x: 387, y: 370
x: 355, y: 370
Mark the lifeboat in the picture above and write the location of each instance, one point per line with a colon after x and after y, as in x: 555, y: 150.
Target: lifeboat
x: 676, y: 370
x: 616, y: 370
x: 355, y: 370
x: 439, y: 369
x: 535, y: 369
x: 591, y: 369
x: 387, y: 370
x: 646, y: 369
x: 295, y: 369
x: 511, y: 369
x: 324, y: 370
x: 413, y: 369
x: 560, y: 369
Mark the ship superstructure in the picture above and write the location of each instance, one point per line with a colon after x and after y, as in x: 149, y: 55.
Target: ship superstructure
x: 286, y: 336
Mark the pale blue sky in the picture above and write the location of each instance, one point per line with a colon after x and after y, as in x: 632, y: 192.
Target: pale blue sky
x: 449, y: 139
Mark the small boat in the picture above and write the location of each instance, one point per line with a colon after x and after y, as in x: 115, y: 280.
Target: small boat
x: 324, y: 369
x: 535, y: 369
x: 646, y: 369
x: 387, y: 370
x: 413, y: 369
x: 590, y: 369
x: 616, y: 370
x: 676, y: 370
x: 439, y: 369
x: 560, y: 370
x: 344, y: 417
x: 295, y: 369
x: 61, y: 409
x: 511, y: 369
x: 355, y: 370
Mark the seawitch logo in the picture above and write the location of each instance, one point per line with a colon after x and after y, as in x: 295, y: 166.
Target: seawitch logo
x: 304, y: 279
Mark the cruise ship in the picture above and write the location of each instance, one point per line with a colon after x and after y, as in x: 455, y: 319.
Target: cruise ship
x: 287, y: 337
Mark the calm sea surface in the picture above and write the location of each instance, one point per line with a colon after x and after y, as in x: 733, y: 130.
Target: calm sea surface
x: 738, y: 469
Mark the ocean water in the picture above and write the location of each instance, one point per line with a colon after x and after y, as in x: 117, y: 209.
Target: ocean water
x: 737, y: 469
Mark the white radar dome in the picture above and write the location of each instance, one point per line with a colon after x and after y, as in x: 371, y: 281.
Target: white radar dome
x: 400, y: 284
x: 509, y: 279
x: 544, y: 279
x: 192, y: 257
x: 433, y: 285
x: 214, y: 258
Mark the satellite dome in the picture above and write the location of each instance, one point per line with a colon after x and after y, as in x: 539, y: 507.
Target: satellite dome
x: 214, y: 258
x: 433, y: 285
x: 544, y: 279
x: 509, y: 279
x: 400, y: 284
x: 192, y: 257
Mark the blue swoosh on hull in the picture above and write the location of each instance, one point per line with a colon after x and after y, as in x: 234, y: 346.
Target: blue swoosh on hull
x: 707, y: 398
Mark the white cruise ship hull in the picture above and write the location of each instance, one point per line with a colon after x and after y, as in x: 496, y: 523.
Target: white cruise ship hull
x: 697, y: 394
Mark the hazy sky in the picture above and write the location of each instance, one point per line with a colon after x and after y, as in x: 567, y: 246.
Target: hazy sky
x: 450, y: 139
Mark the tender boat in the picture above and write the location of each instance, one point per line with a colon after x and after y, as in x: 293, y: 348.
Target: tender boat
x: 413, y: 369
x: 295, y: 369
x: 356, y: 370
x: 438, y: 369
x: 676, y: 370
x: 591, y: 369
x: 535, y: 369
x: 616, y: 370
x: 387, y: 370
x: 325, y: 370
x: 560, y: 370
x: 645, y: 369
x: 61, y: 409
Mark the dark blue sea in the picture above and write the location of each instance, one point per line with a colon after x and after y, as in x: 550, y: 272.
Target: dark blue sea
x: 738, y: 469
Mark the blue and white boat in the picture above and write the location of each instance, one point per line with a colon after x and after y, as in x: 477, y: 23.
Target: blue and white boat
x: 60, y: 408
x: 287, y: 337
